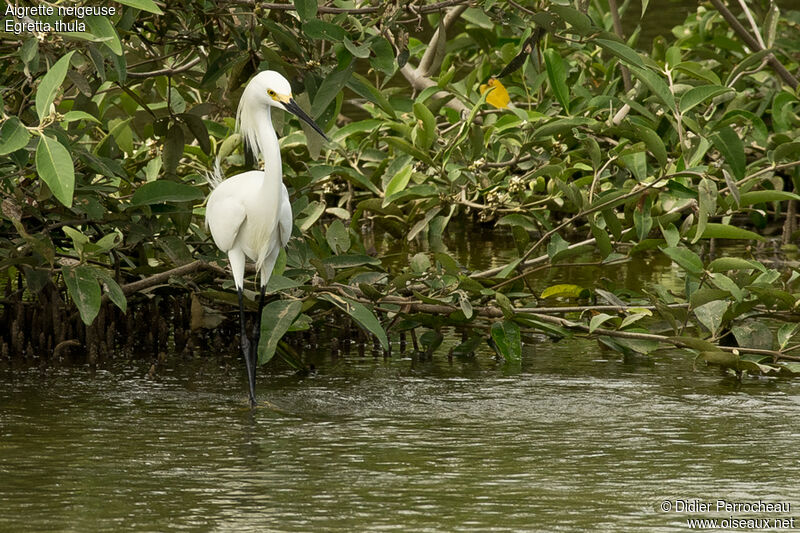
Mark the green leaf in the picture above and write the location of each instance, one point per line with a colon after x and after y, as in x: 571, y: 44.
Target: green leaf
x: 313, y: 211
x: 361, y: 52
x: 113, y: 289
x: 715, y: 230
x: 564, y: 290
x: 516, y: 219
x: 770, y: 26
x: 693, y: 343
x: 276, y: 317
x: 465, y: 304
x: 598, y: 320
x: 654, y: 143
x: 719, y: 358
x: 671, y: 235
x: 328, y: 90
x: 789, y: 151
x: 173, y: 149
x: 785, y: 334
x: 724, y: 264
x: 320, y: 29
x: 351, y: 261
x: 54, y: 165
x: 685, y: 258
x: 144, y: 5
x: 642, y: 219
x: 557, y: 75
x: 763, y: 197
x: 101, y: 27
x: 579, y: 21
x: 727, y: 141
x: 306, y: 9
x: 636, y: 162
x: 13, y: 136
x: 734, y: 190
x: 338, y: 237
x: 424, y: 115
x: 698, y: 71
x: 508, y: 340
x: 73, y: 116
x: 364, y: 88
x: 707, y: 192
x: 723, y: 282
x: 50, y: 84
x: 362, y: 315
x: 602, y: 239
x: 754, y: 334
x: 420, y: 263
x: 84, y: 291
x: 657, y: 85
x: 423, y: 223
x: 384, y: 59
x: 622, y: 51
x: 397, y: 184
x: 405, y: 146
x: 160, y: 191
x: 198, y: 129
x: 710, y: 314
x: 698, y: 95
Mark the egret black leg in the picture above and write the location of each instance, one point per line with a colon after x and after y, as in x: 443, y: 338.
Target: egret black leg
x: 257, y: 338
x: 246, y: 349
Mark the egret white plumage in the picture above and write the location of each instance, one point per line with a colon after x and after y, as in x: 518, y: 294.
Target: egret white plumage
x: 249, y: 214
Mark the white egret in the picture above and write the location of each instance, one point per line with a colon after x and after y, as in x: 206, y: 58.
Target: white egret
x: 249, y: 215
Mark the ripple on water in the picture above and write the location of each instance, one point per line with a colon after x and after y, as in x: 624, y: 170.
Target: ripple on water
x: 562, y: 443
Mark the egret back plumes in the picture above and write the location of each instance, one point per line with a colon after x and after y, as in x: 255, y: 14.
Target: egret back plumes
x: 249, y: 214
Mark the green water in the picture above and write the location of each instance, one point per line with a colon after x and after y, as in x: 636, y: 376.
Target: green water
x: 574, y: 439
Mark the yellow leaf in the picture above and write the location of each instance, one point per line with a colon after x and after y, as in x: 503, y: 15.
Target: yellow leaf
x: 499, y: 95
x: 565, y: 290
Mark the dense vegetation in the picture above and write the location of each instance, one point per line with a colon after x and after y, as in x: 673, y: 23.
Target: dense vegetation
x: 604, y: 152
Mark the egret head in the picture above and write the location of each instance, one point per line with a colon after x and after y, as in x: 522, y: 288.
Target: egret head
x: 267, y: 89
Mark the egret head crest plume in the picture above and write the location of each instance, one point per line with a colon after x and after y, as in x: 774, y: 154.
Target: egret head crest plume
x: 266, y: 90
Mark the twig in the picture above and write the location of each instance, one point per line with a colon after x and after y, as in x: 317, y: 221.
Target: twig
x: 748, y: 39
x: 161, y: 277
x: 538, y: 314
x: 166, y: 71
x: 408, y: 6
x: 626, y: 75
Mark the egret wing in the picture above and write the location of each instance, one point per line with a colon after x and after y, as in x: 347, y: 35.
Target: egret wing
x: 225, y: 217
x: 285, y: 217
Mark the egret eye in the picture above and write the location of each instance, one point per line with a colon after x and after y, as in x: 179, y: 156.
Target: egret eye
x: 271, y: 93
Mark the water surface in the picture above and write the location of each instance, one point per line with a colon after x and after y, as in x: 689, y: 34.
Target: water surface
x: 573, y: 439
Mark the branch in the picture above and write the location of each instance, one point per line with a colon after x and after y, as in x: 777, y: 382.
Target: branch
x: 751, y: 43
x: 626, y: 75
x: 415, y: 306
x: 434, y: 54
x: 408, y: 6
x: 418, y: 78
x: 165, y: 71
x: 161, y: 277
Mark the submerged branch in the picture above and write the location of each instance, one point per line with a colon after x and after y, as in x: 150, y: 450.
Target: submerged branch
x: 545, y: 314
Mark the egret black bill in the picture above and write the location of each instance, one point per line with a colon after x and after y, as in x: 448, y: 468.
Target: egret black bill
x: 292, y: 107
